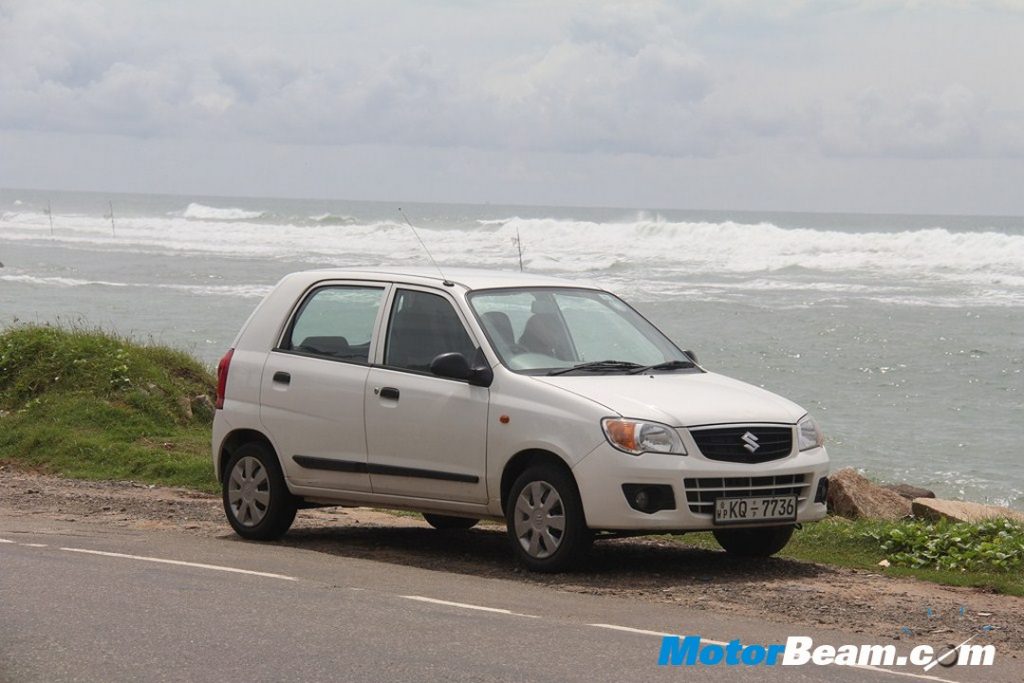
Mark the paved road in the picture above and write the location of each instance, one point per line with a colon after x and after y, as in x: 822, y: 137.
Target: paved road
x: 91, y: 603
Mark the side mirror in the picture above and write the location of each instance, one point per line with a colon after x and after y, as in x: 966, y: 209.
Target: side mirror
x: 455, y: 366
x: 692, y: 356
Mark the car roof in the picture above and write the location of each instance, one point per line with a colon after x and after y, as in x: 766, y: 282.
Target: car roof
x: 469, y: 278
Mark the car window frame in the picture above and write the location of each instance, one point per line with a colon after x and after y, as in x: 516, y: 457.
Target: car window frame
x: 385, y: 326
x: 308, y: 294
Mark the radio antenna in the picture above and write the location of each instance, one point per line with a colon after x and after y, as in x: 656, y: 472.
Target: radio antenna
x: 444, y: 280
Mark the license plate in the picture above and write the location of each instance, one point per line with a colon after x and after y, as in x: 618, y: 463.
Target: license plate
x: 755, y: 509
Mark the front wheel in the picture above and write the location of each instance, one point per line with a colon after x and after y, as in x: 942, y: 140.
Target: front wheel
x: 545, y: 520
x: 257, y: 502
x: 447, y: 522
x: 755, y: 541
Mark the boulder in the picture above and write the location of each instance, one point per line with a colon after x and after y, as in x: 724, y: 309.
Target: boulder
x: 854, y: 496
x: 910, y: 492
x: 185, y: 406
x: 961, y: 511
x: 202, y: 407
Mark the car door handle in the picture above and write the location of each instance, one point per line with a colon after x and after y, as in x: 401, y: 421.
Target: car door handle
x: 389, y: 393
x: 282, y: 377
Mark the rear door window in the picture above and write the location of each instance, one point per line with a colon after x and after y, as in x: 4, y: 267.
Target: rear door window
x: 336, y: 322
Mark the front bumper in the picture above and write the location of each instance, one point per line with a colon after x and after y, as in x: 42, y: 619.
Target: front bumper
x: 695, y: 482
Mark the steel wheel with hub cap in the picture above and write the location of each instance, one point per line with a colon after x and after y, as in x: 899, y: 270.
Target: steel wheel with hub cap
x: 256, y: 500
x: 545, y: 519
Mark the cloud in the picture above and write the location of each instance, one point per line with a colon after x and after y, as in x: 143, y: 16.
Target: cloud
x: 613, y: 83
x: 631, y: 78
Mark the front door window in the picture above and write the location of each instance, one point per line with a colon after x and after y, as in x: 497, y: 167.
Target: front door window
x: 423, y: 326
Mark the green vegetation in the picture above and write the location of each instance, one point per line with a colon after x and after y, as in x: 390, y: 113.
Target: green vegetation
x: 992, y: 545
x: 88, y: 404
x: 986, y: 554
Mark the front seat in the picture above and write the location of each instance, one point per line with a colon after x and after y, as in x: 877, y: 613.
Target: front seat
x: 499, y: 326
x: 544, y: 334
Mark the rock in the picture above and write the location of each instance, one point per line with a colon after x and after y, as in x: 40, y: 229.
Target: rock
x: 856, y: 497
x: 185, y: 406
x: 910, y: 492
x: 202, y: 407
x: 961, y: 511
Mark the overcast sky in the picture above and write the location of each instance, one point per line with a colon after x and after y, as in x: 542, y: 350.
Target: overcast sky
x: 836, y: 106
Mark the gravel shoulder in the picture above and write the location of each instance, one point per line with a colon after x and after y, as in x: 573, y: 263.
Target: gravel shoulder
x: 648, y: 569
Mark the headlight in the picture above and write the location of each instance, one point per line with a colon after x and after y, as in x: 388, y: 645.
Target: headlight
x: 636, y: 436
x: 809, y: 434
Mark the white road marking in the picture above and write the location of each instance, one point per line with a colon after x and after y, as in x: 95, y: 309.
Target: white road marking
x: 659, y: 634
x: 880, y: 669
x: 33, y: 545
x: 463, y: 605
x: 4, y: 540
x: 198, y: 565
x: 923, y: 677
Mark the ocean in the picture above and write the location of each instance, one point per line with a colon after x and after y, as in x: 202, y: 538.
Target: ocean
x: 903, y: 335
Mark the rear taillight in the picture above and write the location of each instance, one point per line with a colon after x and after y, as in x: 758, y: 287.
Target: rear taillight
x: 222, y: 376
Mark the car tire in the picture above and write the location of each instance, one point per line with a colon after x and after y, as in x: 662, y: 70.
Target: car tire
x: 755, y: 541
x: 447, y: 522
x: 542, y: 499
x: 257, y: 501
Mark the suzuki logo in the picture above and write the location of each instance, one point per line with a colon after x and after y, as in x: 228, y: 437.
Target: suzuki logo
x: 750, y: 442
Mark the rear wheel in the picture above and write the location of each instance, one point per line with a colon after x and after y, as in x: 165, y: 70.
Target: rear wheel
x: 754, y: 542
x: 545, y: 520
x: 446, y: 522
x: 256, y: 499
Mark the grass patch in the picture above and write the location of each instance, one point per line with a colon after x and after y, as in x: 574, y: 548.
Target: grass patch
x: 92, y: 405
x: 985, y: 555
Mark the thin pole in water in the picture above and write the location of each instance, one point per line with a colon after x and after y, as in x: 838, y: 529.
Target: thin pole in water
x: 519, y: 246
x: 113, y: 230
x: 49, y: 212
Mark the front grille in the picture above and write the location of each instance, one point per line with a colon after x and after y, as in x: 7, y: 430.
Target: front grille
x: 701, y: 492
x: 734, y: 444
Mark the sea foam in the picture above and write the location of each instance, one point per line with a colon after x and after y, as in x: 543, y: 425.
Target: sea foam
x: 759, y: 256
x: 211, y: 213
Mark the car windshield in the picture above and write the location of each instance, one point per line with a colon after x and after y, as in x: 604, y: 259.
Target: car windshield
x: 554, y: 330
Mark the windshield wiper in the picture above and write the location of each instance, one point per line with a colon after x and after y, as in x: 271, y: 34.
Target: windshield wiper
x: 667, y: 365
x: 599, y: 365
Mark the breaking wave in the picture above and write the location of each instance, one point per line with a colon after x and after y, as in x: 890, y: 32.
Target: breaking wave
x: 332, y: 219
x: 212, y: 213
x: 985, y: 264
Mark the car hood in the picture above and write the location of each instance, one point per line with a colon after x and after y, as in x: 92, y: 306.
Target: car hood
x: 681, y: 399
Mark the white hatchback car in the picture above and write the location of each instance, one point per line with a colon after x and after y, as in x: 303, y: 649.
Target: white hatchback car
x: 547, y: 403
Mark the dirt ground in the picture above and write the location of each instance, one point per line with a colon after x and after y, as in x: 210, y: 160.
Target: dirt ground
x: 657, y: 570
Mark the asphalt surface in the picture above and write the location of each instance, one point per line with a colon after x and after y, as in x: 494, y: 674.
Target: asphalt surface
x: 82, y: 602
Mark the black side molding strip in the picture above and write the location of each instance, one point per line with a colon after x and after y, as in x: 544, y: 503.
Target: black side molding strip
x: 313, y: 463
